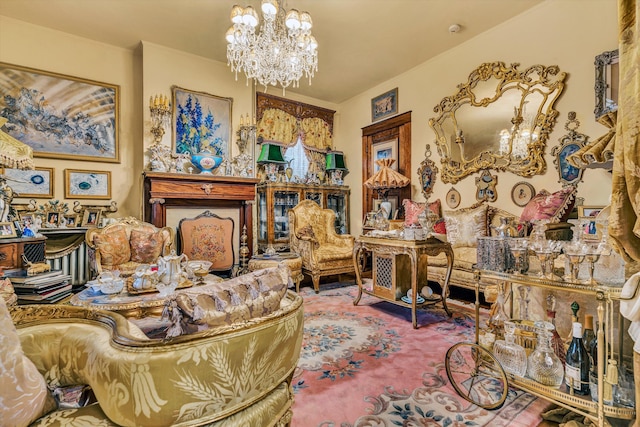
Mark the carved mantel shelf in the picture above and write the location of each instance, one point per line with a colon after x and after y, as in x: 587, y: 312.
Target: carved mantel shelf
x: 173, y: 190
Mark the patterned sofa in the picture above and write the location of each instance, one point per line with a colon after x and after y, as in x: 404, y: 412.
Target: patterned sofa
x: 235, y: 373
x: 126, y: 244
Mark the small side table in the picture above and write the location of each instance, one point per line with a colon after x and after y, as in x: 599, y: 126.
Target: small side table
x: 291, y: 259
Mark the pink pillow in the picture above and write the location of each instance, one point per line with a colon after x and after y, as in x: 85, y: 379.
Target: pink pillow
x: 413, y: 209
x: 555, y: 207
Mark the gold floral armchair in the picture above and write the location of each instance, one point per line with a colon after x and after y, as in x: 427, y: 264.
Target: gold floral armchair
x: 126, y: 244
x: 313, y: 237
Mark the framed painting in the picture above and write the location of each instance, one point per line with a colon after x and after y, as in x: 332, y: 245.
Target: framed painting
x: 427, y: 173
x: 53, y: 219
x: 569, y: 144
x: 7, y: 230
x: 87, y: 184
x: 521, y: 193
x: 37, y: 183
x: 201, y: 122
x: 61, y: 116
x: 70, y: 220
x: 589, y: 211
x: 607, y: 82
x: 453, y: 198
x: 384, y: 105
x: 91, y: 217
x: 385, y: 150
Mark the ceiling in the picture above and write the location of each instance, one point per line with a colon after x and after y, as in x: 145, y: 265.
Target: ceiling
x: 362, y: 43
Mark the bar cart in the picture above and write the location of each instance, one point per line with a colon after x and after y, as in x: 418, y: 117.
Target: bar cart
x: 478, y: 377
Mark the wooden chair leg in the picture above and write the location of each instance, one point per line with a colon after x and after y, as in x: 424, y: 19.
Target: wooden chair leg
x: 316, y: 283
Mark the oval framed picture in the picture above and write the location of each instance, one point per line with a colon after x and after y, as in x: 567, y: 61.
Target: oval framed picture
x: 522, y: 193
x: 453, y: 198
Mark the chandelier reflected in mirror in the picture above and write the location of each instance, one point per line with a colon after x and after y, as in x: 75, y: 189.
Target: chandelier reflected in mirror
x: 280, y: 54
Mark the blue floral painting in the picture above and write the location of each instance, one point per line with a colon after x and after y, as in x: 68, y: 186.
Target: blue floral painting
x: 202, y: 122
x: 60, y: 116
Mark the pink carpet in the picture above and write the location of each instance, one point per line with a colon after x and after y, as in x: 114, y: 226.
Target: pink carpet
x: 365, y: 365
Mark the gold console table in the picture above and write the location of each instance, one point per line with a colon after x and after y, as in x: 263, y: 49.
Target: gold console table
x: 399, y: 266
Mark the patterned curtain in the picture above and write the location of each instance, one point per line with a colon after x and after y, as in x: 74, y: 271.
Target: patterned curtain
x: 624, y: 225
x: 278, y: 126
x: 316, y: 134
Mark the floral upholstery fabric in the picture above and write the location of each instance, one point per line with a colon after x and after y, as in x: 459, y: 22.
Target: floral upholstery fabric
x: 245, y: 297
x: 464, y: 226
x: 146, y: 247
x: 554, y: 207
x: 113, y: 247
x: 24, y: 396
x: 239, y: 372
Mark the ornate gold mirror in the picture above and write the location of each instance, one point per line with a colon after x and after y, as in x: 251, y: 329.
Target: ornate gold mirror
x: 499, y: 119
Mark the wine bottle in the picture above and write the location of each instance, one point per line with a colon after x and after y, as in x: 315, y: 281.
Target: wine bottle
x: 593, y: 350
x: 588, y: 334
x: 577, y: 365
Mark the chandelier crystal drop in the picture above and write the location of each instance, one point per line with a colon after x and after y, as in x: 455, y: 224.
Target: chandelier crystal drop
x: 280, y: 53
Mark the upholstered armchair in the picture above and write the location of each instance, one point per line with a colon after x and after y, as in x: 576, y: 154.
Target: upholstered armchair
x: 313, y: 236
x: 126, y: 244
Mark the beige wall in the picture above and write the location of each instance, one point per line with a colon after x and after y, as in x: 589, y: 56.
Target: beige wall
x: 37, y: 47
x: 567, y: 33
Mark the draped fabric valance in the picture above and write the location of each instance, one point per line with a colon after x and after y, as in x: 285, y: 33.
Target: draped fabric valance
x: 599, y: 153
x: 282, y: 121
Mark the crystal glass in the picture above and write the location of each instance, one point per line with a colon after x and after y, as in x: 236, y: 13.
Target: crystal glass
x: 511, y: 356
x: 575, y: 251
x: 543, y: 365
x: 547, y: 251
x: 498, y: 316
x: 592, y: 256
x: 523, y: 301
x: 519, y: 249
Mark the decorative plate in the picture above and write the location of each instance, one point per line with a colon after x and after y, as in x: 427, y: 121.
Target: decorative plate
x: 408, y: 300
x: 522, y: 193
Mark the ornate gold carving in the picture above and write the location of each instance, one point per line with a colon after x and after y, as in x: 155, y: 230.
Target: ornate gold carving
x: 497, y: 98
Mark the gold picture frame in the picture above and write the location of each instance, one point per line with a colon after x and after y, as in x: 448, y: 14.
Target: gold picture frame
x: 592, y: 229
x: 87, y: 184
x: 36, y: 183
x: 7, y: 230
x: 71, y: 220
x: 91, y: 217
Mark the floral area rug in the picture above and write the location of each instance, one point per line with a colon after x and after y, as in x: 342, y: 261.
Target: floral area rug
x: 365, y: 365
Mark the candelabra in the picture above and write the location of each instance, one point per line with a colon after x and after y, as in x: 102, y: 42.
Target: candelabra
x: 160, y: 110
x: 242, y: 164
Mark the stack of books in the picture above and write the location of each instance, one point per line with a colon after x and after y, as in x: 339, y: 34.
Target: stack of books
x: 43, y: 288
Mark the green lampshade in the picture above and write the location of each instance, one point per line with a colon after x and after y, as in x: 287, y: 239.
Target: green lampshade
x: 335, y: 160
x: 270, y: 153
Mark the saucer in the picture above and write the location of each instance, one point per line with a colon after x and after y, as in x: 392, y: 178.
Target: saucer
x: 408, y: 300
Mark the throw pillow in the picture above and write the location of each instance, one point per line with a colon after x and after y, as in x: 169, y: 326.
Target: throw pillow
x: 555, y: 207
x: 24, y: 396
x: 464, y: 226
x: 412, y: 210
x: 146, y: 247
x: 113, y: 247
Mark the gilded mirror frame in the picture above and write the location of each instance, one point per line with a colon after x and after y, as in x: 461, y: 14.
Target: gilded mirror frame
x: 545, y: 83
x: 606, y: 85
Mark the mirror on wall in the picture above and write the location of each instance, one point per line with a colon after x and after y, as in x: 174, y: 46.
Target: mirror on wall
x: 499, y: 119
x: 606, y: 87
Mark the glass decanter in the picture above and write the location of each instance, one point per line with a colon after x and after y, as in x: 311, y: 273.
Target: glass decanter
x: 512, y: 356
x: 543, y: 365
x: 557, y: 343
x: 497, y: 315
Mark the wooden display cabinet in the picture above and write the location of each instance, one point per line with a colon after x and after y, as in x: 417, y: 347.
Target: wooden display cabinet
x: 275, y: 200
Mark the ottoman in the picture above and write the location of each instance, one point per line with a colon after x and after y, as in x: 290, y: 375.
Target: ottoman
x: 292, y: 260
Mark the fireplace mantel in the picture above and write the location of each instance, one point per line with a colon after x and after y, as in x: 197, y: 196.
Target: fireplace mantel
x: 174, y: 190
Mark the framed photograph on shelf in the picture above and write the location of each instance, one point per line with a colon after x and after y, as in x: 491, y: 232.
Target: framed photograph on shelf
x: 385, y: 150
x: 53, y: 219
x: 61, y: 116
x: 71, y: 220
x: 384, y: 105
x: 87, y: 184
x: 7, y: 230
x: 589, y: 211
x: 91, y: 217
x: 36, y: 183
x: 592, y: 229
x: 201, y: 121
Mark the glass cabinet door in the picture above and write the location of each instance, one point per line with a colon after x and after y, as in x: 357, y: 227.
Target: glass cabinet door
x: 337, y: 202
x: 282, y: 202
x: 262, y: 216
x: 316, y: 196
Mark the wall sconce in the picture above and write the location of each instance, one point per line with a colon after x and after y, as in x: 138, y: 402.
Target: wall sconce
x: 271, y: 157
x: 335, y: 165
x: 160, y: 109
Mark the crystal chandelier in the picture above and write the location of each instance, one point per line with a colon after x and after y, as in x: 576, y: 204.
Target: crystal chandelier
x: 280, y: 53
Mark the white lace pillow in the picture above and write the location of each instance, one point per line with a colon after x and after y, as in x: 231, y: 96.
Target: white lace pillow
x: 464, y: 226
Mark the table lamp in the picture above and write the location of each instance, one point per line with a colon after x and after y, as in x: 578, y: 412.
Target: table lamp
x: 336, y: 167
x: 271, y: 157
x: 13, y: 155
x: 384, y: 180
